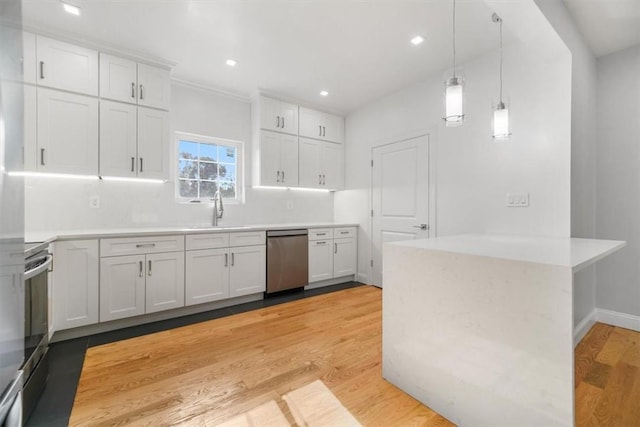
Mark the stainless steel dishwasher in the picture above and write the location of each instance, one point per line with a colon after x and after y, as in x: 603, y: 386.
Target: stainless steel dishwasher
x: 287, y: 260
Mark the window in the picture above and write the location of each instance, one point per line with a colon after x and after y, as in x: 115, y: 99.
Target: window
x: 206, y: 164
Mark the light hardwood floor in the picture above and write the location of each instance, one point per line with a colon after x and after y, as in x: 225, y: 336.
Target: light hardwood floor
x: 212, y: 371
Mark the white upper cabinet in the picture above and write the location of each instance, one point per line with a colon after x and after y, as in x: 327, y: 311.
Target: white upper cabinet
x: 319, y: 125
x: 153, y: 144
x: 67, y: 133
x: 128, y: 81
x: 278, y: 116
x: 118, y: 139
x: 278, y: 159
x: 29, y: 67
x: 65, y: 66
x: 154, y: 87
x: 321, y: 164
x: 118, y: 79
x: 30, y: 118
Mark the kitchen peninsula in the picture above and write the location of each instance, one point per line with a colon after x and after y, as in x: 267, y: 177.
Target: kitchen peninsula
x: 480, y: 327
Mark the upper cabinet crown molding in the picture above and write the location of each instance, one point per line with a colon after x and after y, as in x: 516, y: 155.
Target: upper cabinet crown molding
x: 65, y: 66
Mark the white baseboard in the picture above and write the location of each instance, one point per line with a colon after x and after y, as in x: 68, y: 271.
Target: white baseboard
x: 584, y: 326
x: 329, y: 282
x: 622, y: 320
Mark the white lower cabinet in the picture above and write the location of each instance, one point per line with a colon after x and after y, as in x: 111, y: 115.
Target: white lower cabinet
x: 248, y: 274
x: 207, y: 275
x: 344, y: 257
x: 320, y: 260
x: 122, y: 287
x: 137, y: 284
x: 332, y: 253
x: 75, y: 284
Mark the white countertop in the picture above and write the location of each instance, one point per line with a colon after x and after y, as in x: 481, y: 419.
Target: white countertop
x: 561, y: 251
x: 50, y: 236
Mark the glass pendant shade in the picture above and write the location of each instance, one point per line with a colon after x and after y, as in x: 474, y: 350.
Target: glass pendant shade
x: 454, y: 115
x: 501, y: 122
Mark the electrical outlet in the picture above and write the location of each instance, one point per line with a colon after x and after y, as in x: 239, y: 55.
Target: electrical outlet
x: 94, y: 202
x: 520, y: 199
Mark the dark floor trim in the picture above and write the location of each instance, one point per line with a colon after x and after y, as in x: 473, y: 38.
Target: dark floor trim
x: 66, y: 357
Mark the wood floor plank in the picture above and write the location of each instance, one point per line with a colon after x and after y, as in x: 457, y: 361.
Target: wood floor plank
x: 210, y: 372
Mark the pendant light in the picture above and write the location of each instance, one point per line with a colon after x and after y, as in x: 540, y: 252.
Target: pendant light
x: 500, y: 123
x: 453, y: 95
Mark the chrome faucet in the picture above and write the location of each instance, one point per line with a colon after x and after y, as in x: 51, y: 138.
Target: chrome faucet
x: 217, y: 211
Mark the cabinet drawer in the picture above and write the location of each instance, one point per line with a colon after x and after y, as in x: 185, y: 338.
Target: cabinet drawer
x: 207, y: 241
x: 140, y: 245
x: 247, y: 238
x: 321, y: 234
x: 341, y: 232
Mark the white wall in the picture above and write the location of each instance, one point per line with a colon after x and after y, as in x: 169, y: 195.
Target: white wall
x: 473, y: 172
x: 618, y: 179
x: 583, y: 148
x: 60, y: 204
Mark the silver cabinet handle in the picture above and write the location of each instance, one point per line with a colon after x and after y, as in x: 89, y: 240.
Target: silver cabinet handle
x: 226, y: 260
x: 41, y: 69
x: 324, y: 131
x: 140, y: 274
x: 149, y: 268
x: 277, y: 121
x: 140, y: 160
x: 282, y: 176
x: 320, y: 179
x: 233, y: 259
x: 319, y: 130
x: 344, y: 232
x: 321, y: 243
x: 133, y: 90
x: 141, y: 92
x: 42, y: 156
x: 422, y: 226
x: 278, y: 177
x: 145, y: 245
x: 321, y: 234
x: 282, y: 122
x: 133, y: 164
x: 335, y: 248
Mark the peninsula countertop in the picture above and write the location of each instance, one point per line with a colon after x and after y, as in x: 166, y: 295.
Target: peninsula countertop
x: 575, y: 253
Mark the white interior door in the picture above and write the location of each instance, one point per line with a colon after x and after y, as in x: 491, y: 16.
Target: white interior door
x: 400, y: 196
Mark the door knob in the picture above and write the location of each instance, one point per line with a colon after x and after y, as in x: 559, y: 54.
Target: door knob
x: 422, y: 226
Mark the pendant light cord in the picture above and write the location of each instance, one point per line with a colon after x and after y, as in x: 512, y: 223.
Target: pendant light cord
x: 454, y: 38
x: 500, y: 61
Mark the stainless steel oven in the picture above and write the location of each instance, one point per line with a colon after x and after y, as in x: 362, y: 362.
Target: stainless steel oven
x: 36, y: 325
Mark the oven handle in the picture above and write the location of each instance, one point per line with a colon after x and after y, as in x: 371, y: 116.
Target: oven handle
x: 39, y: 269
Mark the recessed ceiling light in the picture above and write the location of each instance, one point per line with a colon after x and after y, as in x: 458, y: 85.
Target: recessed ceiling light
x: 417, y: 40
x: 69, y: 8
x: 324, y: 93
x: 232, y: 62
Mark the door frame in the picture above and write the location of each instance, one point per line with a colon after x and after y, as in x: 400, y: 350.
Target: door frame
x: 432, y: 217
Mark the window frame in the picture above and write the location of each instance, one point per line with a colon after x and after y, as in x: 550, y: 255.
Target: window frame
x: 202, y: 139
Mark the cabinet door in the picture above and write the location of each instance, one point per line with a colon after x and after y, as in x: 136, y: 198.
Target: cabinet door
x: 333, y: 128
x: 118, y: 79
x: 310, y: 163
x: 75, y: 284
x: 65, y: 66
x: 118, y: 139
x: 122, y: 287
x: 153, y: 143
x: 67, y: 133
x: 248, y: 274
x: 289, y: 160
x: 165, y: 281
x: 207, y: 276
x: 154, y: 87
x: 320, y: 260
x: 332, y: 166
x: 344, y: 257
x: 310, y: 123
x: 270, y: 171
x: 30, y: 127
x: 29, y: 67
x: 289, y: 114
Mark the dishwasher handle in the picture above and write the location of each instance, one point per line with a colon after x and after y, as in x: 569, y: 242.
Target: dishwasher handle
x: 282, y: 233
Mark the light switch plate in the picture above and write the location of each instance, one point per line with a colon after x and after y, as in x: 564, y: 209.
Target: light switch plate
x: 517, y: 199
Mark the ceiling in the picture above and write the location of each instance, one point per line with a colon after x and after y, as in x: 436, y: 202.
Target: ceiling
x: 358, y: 51
x: 607, y: 25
